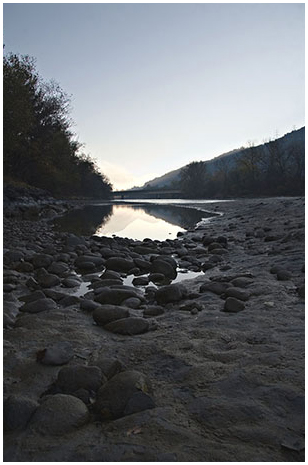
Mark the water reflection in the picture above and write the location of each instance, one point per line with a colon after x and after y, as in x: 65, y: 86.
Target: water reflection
x: 133, y: 221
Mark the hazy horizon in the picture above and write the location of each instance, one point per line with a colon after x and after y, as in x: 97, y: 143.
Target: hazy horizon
x: 156, y: 86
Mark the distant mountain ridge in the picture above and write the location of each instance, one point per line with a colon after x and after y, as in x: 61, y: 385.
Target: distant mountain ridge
x: 172, y: 178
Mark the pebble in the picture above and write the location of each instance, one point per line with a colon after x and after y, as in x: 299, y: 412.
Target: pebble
x: 56, y: 354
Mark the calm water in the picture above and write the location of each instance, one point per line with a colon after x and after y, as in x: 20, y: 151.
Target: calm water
x: 135, y: 220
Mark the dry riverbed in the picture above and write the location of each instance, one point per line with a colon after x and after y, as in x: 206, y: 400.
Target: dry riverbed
x: 209, y: 369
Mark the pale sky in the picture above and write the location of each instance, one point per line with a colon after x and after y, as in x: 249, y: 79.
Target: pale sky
x: 156, y: 86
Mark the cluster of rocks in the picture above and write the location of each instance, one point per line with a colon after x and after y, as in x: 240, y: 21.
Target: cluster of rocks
x: 122, y: 292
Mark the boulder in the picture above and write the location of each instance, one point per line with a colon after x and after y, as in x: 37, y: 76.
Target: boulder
x: 119, y: 264
x: 72, y: 378
x: 113, y: 397
x: 233, y: 305
x: 115, y: 296
x: 170, y: 293
x: 128, y: 326
x: 17, y: 411
x: 108, y: 313
x: 39, y: 305
x: 60, y: 414
x: 162, y: 266
x: 42, y: 260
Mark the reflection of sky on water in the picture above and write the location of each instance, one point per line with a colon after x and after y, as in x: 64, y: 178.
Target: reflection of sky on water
x: 133, y: 221
x: 137, y: 224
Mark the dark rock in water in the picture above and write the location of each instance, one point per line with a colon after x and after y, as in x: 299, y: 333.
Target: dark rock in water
x: 42, y: 260
x: 71, y: 282
x: 163, y: 267
x: 60, y: 414
x: 88, y: 305
x: 157, y: 277
x: 153, y: 310
x: 170, y: 293
x: 39, y: 305
x: 238, y: 293
x: 115, y: 296
x: 119, y: 264
x: 71, y: 378
x: 138, y: 402
x: 17, y: 411
x: 143, y: 265
x: 57, y: 354
x: 110, y: 274
x: 141, y: 281
x: 216, y: 288
x: 233, y: 305
x: 105, y: 314
x: 128, y: 326
x: 284, y: 275
x: 113, y: 397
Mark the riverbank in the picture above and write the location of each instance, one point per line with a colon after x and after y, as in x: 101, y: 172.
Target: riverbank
x: 211, y: 369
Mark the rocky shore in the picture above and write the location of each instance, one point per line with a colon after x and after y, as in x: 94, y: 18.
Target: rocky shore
x: 108, y: 358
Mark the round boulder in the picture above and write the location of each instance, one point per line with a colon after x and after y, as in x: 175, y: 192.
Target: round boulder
x: 128, y: 326
x: 60, y: 414
x: 107, y: 313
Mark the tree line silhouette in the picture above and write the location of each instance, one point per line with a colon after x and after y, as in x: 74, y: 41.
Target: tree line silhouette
x: 274, y: 168
x: 39, y: 147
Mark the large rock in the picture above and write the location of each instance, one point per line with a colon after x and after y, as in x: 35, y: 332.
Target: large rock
x: 60, y: 414
x: 39, y: 305
x: 47, y: 280
x: 113, y: 397
x: 238, y: 293
x: 170, y: 293
x: 115, y: 296
x: 128, y: 326
x: 216, y: 288
x: 72, y: 378
x: 107, y: 313
x: 83, y: 260
x: 119, y: 264
x: 162, y: 266
x: 233, y: 305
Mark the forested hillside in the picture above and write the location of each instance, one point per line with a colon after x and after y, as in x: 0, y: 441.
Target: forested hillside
x: 39, y: 147
x: 273, y: 168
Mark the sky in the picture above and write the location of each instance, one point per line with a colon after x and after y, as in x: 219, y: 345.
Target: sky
x: 156, y: 86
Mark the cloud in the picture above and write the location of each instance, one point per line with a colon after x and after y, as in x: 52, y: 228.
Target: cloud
x: 121, y: 178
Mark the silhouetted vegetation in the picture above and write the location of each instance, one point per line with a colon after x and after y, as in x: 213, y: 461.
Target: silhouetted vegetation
x: 39, y: 148
x: 274, y: 168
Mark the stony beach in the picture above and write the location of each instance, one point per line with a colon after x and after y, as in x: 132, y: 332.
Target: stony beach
x: 99, y: 368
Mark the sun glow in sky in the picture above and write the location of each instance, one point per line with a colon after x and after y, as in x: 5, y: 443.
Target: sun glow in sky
x: 156, y: 86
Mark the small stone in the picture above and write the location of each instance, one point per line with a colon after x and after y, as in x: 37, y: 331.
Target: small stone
x: 57, y: 354
x: 233, y: 305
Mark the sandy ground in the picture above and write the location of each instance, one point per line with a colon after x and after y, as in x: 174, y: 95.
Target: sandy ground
x: 226, y: 386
